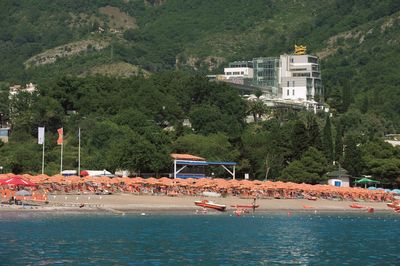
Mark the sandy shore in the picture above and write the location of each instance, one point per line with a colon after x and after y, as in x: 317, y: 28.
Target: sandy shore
x: 128, y: 203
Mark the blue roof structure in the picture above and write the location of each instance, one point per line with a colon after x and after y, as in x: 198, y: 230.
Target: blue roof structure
x: 221, y: 163
x: 204, y: 163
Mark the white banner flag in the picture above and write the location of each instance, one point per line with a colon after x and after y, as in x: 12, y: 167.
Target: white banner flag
x: 41, y: 135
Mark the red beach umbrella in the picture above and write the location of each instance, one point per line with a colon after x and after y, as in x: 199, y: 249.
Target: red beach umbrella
x: 84, y: 173
x: 17, y: 181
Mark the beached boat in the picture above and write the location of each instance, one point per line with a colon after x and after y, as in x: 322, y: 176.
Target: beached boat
x: 394, y: 204
x: 356, y: 206
x: 311, y: 198
x: 210, y: 205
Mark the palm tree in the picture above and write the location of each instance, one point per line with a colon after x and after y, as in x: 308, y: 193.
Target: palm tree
x: 257, y: 108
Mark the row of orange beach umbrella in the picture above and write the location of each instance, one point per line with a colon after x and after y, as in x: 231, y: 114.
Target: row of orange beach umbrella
x: 183, y: 186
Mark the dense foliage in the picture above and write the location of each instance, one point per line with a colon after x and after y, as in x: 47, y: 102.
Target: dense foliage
x: 133, y: 123
x: 356, y: 39
x: 126, y: 123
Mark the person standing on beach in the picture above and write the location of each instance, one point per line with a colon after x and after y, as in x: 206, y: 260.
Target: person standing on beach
x: 254, y: 205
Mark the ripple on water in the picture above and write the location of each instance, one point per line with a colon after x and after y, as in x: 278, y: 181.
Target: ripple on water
x: 301, y: 239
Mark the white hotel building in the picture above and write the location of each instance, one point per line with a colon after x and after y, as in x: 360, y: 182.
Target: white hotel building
x: 289, y: 77
x: 300, y: 77
x: 239, y: 69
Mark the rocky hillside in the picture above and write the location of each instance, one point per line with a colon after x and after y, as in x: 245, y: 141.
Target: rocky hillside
x: 356, y: 39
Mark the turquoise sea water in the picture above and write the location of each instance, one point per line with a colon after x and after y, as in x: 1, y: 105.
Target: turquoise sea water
x: 221, y: 239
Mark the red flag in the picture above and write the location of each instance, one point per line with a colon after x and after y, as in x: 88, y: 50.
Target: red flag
x: 60, y: 136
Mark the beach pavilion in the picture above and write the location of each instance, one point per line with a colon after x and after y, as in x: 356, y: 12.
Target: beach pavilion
x: 366, y: 181
x: 196, y: 164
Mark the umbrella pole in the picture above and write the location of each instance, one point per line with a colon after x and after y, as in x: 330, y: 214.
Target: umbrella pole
x: 61, y: 163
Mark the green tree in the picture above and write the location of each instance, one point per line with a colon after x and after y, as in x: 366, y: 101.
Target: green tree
x: 257, y: 109
x: 208, y: 119
x: 335, y: 98
x: 309, y: 169
x: 299, y: 139
x: 314, y: 134
x: 327, y: 140
x: 258, y: 93
x: 136, y: 154
x: 21, y: 112
x: 21, y: 157
x: 212, y: 147
x: 256, y: 147
x: 4, y: 105
x: 339, y: 143
x: 47, y: 112
x: 348, y: 98
x: 381, y: 161
x: 352, y: 160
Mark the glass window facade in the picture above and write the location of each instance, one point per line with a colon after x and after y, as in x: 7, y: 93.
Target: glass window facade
x: 315, y: 74
x: 301, y: 74
x: 267, y: 72
x: 241, y: 64
x: 312, y: 60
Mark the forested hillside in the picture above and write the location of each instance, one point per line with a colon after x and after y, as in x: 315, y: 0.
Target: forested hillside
x: 61, y: 45
x: 357, y: 41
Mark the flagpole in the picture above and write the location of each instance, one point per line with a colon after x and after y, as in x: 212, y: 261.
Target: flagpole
x: 61, y: 164
x: 41, y: 141
x: 43, y: 154
x: 79, y: 151
x: 62, y: 145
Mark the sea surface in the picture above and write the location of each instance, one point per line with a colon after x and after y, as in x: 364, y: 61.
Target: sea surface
x: 211, y: 239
